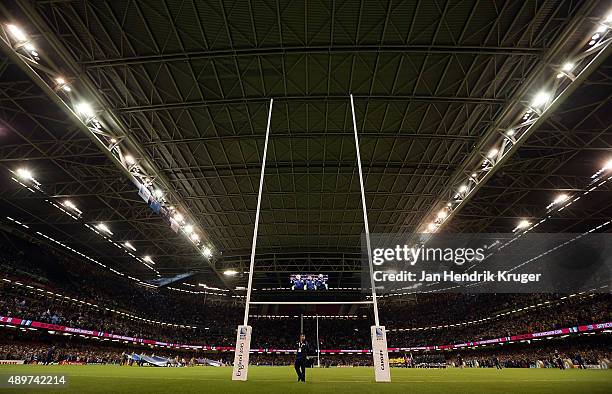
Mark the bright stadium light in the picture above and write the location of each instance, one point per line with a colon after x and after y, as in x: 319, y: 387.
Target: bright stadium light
x: 84, y: 109
x: 189, y: 229
x: 510, y: 132
x: 442, y: 214
x: 17, y: 33
x: 158, y: 193
x: 463, y: 189
x: 431, y: 226
x: 608, y: 18
x: 540, y: 99
x: 195, y: 237
x: 129, y: 246
x: 70, y: 204
x: 560, y: 198
x: 492, y: 153
x: 207, y: 252
x: 608, y: 165
x: 230, y: 272
x: 178, y: 217
x: 148, y: 259
x: 25, y: 174
x: 567, y: 66
x: 104, y: 227
x: 523, y: 224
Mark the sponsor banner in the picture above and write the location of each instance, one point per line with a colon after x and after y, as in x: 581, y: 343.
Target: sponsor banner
x: 13, y: 362
x: 382, y: 371
x: 55, y: 327
x: 241, y: 354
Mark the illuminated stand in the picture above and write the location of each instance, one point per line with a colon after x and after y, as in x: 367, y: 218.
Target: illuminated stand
x: 377, y: 332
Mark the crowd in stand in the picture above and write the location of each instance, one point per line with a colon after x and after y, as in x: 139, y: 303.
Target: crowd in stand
x: 215, y: 321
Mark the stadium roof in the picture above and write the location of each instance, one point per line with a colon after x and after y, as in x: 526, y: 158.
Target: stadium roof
x: 184, y: 88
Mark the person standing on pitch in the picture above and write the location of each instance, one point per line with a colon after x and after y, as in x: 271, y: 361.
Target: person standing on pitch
x: 301, y: 358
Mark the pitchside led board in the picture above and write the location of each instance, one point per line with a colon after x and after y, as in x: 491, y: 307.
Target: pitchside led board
x: 241, y: 354
x: 382, y: 373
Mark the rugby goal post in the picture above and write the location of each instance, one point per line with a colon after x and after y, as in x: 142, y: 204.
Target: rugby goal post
x: 378, y: 334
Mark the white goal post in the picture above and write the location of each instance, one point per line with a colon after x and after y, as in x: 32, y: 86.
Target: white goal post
x: 377, y: 332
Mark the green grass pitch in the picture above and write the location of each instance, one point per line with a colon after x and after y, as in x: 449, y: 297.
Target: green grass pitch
x: 116, y: 379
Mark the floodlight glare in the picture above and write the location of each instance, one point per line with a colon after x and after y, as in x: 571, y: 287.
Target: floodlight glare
x: 129, y: 159
x: 129, y: 246
x: 540, y: 99
x: 442, y: 214
x: 523, y: 224
x: 158, y: 193
x: 84, y: 109
x: 463, y: 189
x: 492, y: 153
x: 608, y: 18
x: 608, y: 165
x: 178, y: 217
x: 189, y: 229
x: 194, y: 237
x: 29, y: 47
x: 17, y: 33
x: 70, y: 204
x: 510, y: 132
x: 568, y: 66
x: 230, y: 272
x: 148, y: 259
x: 560, y: 198
x: 207, y: 252
x: 25, y: 174
x: 431, y: 226
x: 104, y: 227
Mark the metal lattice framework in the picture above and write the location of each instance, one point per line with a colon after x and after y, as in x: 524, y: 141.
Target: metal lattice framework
x: 187, y: 84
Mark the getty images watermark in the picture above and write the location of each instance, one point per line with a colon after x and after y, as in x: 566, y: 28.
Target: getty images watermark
x: 488, y: 263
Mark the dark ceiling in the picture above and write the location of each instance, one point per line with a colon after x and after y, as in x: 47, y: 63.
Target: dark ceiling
x: 190, y: 82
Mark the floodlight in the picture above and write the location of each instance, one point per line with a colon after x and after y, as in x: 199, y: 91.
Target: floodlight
x: 148, y: 259
x: 431, y: 226
x: 17, y: 33
x: 608, y: 165
x: 129, y: 246
x: 230, y: 272
x: 442, y: 214
x: 129, y: 159
x: 70, y: 204
x: 568, y: 66
x: 207, y: 252
x: 540, y: 99
x: 178, y: 217
x: 84, y: 109
x: 560, y: 198
x: 510, y: 132
x: 158, y: 193
x: 195, y: 237
x: 188, y: 229
x: 608, y: 18
x: 24, y: 174
x: 523, y: 224
x: 492, y: 153
x: 104, y: 227
x: 463, y: 189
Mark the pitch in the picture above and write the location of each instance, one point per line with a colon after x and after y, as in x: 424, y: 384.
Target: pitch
x: 115, y: 379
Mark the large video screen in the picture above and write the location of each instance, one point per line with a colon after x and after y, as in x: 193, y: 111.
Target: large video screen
x: 309, y: 282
